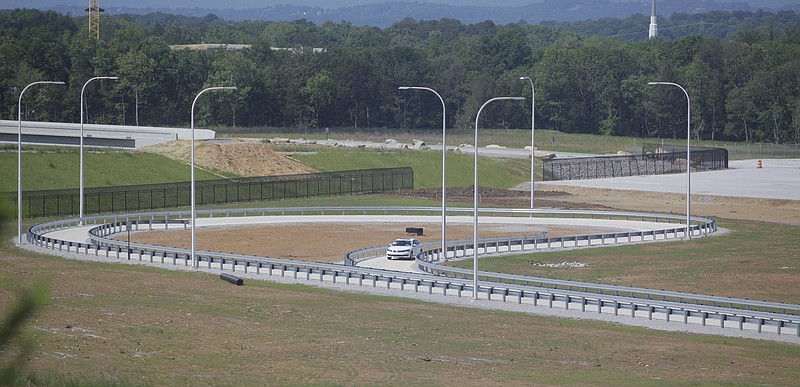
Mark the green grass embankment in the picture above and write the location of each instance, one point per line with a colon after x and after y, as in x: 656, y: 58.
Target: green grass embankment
x: 59, y: 168
x: 427, y: 165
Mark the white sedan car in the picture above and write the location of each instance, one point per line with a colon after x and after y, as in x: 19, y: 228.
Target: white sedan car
x: 407, y: 248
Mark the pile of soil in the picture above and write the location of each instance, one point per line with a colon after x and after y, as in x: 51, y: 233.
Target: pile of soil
x: 243, y: 158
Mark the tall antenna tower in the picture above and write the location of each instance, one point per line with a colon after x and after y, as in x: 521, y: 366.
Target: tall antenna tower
x: 653, y: 26
x: 94, y: 18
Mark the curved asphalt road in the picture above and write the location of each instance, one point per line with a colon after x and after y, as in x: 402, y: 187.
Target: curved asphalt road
x: 81, y: 233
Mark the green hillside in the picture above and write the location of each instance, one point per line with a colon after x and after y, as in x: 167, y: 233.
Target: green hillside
x: 58, y: 168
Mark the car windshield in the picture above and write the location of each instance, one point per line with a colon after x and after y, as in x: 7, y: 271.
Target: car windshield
x: 401, y: 243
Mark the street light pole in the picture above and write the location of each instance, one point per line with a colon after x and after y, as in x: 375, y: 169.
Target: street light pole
x: 533, y: 129
x: 475, y: 199
x: 444, y: 166
x: 688, y: 154
x: 19, y: 155
x: 80, y: 193
x: 194, y: 235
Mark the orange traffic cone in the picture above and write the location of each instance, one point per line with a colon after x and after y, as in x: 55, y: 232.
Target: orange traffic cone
x: 759, y: 164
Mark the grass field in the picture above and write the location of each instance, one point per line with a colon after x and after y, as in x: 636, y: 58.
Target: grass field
x: 732, y: 265
x: 141, y: 325
x: 57, y: 168
x: 111, y: 324
x: 427, y: 166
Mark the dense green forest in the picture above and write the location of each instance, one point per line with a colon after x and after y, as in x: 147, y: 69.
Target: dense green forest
x: 590, y: 77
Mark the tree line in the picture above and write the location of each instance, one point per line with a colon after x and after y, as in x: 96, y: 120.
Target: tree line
x: 743, y: 87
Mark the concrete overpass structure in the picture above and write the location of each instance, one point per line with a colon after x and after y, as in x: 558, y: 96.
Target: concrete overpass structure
x: 59, y: 133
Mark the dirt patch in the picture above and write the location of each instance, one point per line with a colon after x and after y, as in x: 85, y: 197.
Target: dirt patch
x: 331, y: 240
x: 240, y: 157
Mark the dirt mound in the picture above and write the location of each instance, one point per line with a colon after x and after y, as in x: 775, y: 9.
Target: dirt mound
x: 243, y: 158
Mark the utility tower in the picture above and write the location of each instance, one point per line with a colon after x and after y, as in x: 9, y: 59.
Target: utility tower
x: 94, y: 18
x: 653, y: 26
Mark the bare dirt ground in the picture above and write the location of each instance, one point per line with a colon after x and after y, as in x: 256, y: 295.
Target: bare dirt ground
x: 331, y: 240
x: 244, y: 158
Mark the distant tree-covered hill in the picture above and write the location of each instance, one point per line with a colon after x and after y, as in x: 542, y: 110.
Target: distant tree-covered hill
x: 742, y: 73
x: 385, y: 13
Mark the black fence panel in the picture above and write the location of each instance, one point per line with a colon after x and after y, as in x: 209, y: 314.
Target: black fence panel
x: 101, y: 200
x: 655, y: 161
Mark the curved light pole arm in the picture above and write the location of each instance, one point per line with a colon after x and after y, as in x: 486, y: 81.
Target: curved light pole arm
x: 444, y: 165
x: 194, y: 235
x: 533, y: 130
x: 475, y: 199
x: 19, y: 154
x: 80, y: 193
x: 688, y: 154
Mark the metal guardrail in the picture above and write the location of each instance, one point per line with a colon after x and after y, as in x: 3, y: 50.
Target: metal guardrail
x: 639, y: 302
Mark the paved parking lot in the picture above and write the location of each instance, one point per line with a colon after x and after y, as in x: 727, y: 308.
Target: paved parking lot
x: 777, y: 179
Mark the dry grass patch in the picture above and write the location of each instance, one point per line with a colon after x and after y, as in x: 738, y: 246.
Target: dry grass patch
x: 147, y: 326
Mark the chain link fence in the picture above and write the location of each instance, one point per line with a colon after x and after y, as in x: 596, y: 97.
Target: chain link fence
x: 653, y: 160
x: 102, y: 200
x: 762, y: 151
